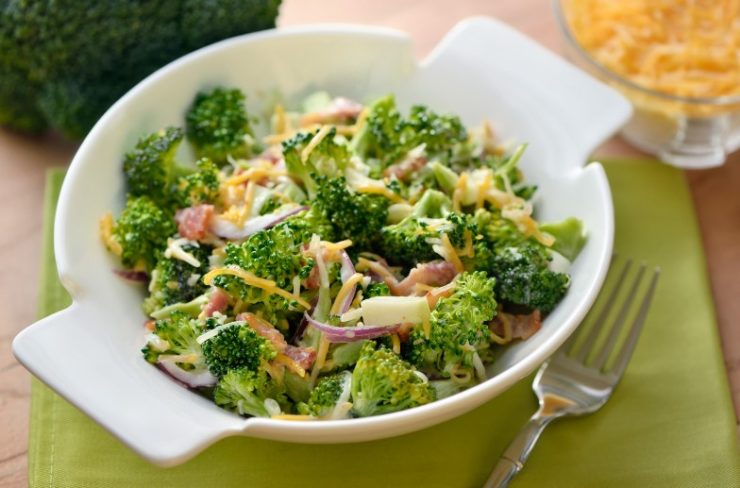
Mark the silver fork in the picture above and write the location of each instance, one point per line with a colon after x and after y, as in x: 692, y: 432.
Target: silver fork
x: 570, y: 383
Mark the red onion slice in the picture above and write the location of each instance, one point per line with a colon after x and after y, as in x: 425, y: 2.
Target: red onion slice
x: 225, y: 228
x: 131, y: 275
x: 346, y: 272
x: 351, y: 334
x: 191, y: 379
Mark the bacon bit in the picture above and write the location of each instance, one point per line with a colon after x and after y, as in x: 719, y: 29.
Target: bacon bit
x: 149, y: 325
x: 312, y: 280
x: 192, y: 222
x: 340, y: 111
x: 265, y: 329
x: 435, y: 273
x: 405, y: 331
x: 303, y: 356
x: 217, y: 303
x: 522, y: 326
x: 413, y: 162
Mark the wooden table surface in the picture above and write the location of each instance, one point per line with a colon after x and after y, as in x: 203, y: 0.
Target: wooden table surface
x: 23, y: 161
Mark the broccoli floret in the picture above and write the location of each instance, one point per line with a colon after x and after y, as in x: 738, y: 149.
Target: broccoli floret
x: 519, y: 264
x: 327, y: 394
x: 376, y: 290
x: 177, y: 334
x: 523, y: 278
x: 150, y: 167
x: 248, y: 392
x: 411, y: 240
x: 387, y: 136
x: 64, y: 63
x: 383, y: 383
x: 199, y: 187
x: 142, y: 230
x: 352, y: 215
x: 328, y: 158
x: 569, y: 237
x: 236, y: 345
x: 273, y: 254
x: 175, y: 281
x: 306, y: 224
x: 218, y: 125
x: 459, y: 328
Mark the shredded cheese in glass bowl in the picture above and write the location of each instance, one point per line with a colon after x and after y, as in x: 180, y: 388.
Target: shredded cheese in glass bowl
x: 678, y: 61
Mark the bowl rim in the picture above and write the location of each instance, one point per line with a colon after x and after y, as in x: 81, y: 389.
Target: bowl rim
x: 570, y: 39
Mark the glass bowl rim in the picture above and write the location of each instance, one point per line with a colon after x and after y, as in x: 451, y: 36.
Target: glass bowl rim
x: 570, y: 39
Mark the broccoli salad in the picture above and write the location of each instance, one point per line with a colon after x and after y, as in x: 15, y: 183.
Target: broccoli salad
x: 333, y: 260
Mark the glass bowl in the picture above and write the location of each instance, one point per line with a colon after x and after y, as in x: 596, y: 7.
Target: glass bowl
x: 688, y: 132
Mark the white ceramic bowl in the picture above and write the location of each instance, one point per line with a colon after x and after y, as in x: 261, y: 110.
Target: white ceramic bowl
x: 89, y: 353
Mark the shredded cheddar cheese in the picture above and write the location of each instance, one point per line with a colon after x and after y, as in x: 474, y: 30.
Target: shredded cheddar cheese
x: 320, y: 358
x: 268, y: 286
x: 380, y: 190
x: 289, y: 363
x: 688, y: 48
x: 460, y: 187
x: 451, y: 254
x: 347, y: 287
x: 315, y: 141
x: 106, y: 234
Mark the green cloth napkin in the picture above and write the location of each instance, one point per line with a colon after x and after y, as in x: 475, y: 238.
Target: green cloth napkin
x: 670, y: 422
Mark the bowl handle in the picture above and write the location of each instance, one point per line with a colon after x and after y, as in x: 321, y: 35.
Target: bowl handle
x: 586, y: 109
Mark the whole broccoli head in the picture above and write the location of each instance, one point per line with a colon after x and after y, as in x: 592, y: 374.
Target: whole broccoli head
x: 150, y: 168
x: 327, y: 158
x: 218, y: 125
x: 387, y: 136
x: 142, y: 230
x: 459, y: 328
x: 175, y: 281
x: 236, y: 345
x: 179, y: 332
x: 328, y: 392
x: 246, y: 392
x: 355, y: 216
x: 63, y: 63
x: 383, y: 383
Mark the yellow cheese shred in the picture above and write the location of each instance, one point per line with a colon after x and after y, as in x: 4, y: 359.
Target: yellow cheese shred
x: 460, y: 187
x: 268, y: 286
x: 315, y: 141
x: 320, y: 358
x: 344, y: 291
x: 257, y: 173
x: 380, y: 190
x: 289, y: 363
x: 452, y: 256
x: 106, y: 234
x: 682, y: 47
x: 292, y: 416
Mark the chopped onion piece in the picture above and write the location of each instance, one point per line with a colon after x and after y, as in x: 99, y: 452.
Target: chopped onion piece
x: 350, y: 315
x: 193, y: 379
x: 215, y: 331
x: 347, y: 272
x: 351, y: 334
x: 225, y: 228
x: 131, y: 275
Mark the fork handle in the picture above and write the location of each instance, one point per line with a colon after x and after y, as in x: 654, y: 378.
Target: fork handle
x: 513, y: 459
